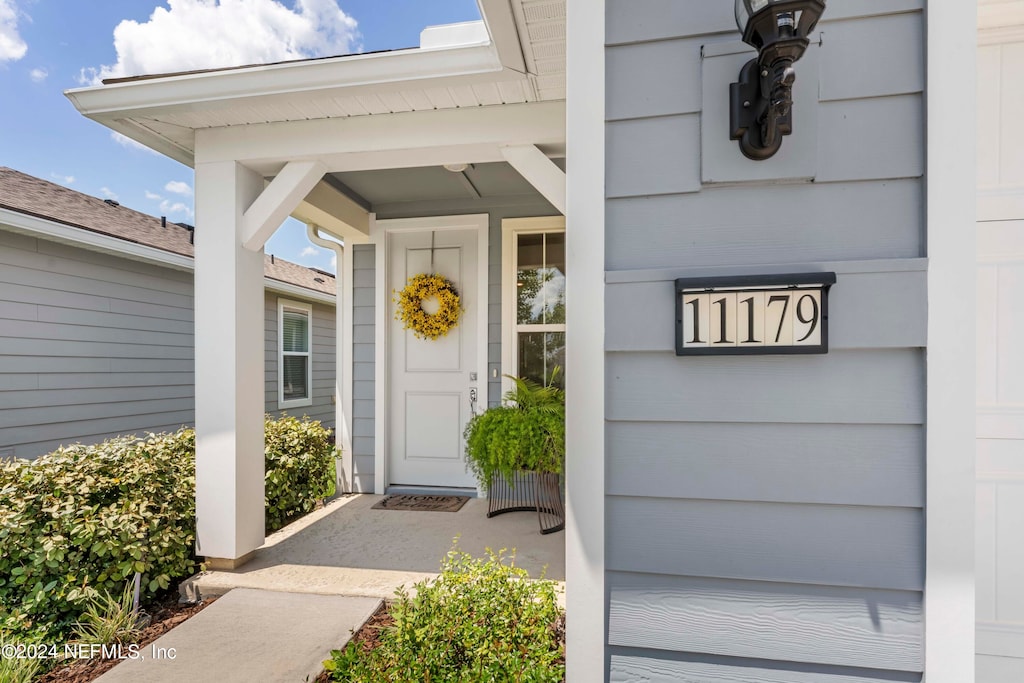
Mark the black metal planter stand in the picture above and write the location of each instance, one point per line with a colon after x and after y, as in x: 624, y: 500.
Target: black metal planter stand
x: 528, y: 491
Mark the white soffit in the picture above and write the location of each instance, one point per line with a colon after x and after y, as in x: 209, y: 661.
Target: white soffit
x: 523, y: 62
x: 541, y: 26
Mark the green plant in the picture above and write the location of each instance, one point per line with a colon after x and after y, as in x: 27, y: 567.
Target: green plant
x: 299, y: 468
x: 527, y: 432
x: 109, y: 620
x: 80, y: 521
x: 480, y: 620
x: 83, y: 519
x: 16, y: 669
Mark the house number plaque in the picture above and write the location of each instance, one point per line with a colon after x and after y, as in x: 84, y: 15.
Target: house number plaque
x: 753, y: 314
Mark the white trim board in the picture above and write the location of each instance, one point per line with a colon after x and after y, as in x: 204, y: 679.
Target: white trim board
x: 300, y: 307
x: 585, y: 595
x: 949, y: 592
x: 398, y: 140
x: 379, y: 231
x: 279, y: 287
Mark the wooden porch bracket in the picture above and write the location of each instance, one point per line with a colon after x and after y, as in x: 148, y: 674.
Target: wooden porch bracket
x: 539, y: 171
x: 278, y: 200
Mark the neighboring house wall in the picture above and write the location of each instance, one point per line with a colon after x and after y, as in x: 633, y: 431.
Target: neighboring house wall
x: 764, y: 513
x: 93, y: 345
x: 322, y: 381
x: 363, y: 315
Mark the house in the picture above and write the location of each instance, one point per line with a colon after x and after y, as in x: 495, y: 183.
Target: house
x: 96, y: 323
x: 786, y: 518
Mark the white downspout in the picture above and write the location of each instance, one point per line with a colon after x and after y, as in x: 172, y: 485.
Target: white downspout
x: 343, y: 355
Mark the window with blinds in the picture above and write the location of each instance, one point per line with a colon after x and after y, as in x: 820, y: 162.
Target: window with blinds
x: 295, y: 357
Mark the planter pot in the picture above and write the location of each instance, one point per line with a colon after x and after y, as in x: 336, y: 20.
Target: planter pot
x: 529, y: 491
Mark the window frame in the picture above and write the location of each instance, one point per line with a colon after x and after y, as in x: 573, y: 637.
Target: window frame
x: 294, y: 307
x: 511, y: 229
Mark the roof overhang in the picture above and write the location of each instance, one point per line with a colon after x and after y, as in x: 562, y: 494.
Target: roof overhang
x: 479, y: 64
x: 34, y: 226
x: 130, y: 107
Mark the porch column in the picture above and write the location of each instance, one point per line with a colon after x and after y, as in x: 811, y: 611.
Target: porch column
x: 229, y: 341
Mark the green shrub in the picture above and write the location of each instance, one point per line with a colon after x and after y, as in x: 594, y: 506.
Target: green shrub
x: 526, y: 433
x: 82, y: 520
x: 85, y: 518
x: 299, y: 468
x: 480, y: 621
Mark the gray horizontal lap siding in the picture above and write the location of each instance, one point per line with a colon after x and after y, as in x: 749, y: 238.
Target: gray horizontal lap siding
x: 91, y: 346
x: 765, y: 513
x: 94, y: 345
x: 363, y: 363
x: 323, y: 355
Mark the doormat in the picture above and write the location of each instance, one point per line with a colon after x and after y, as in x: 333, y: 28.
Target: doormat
x: 421, y: 503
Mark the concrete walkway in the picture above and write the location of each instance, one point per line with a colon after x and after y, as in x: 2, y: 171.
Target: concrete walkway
x: 349, y: 549
x: 250, y: 635
x: 314, y: 582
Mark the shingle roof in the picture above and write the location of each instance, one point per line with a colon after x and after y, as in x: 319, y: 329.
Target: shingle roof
x: 37, y: 197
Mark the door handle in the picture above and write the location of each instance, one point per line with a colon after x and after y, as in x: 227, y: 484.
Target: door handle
x: 472, y: 400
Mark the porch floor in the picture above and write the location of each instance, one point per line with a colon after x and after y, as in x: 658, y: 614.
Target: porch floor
x: 348, y: 549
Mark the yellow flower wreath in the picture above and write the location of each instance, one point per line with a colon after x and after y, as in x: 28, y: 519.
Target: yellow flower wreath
x: 410, y: 306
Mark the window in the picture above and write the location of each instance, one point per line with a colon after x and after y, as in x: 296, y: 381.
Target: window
x: 534, y: 325
x: 294, y: 360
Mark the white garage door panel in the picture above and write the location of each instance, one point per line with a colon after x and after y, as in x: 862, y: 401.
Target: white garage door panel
x: 1000, y: 360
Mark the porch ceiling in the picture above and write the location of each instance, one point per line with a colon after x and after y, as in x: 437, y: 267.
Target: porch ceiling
x: 489, y: 181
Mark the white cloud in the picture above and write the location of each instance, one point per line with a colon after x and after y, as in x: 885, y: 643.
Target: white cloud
x: 204, y: 34
x: 12, y: 47
x: 178, y: 187
x: 153, y: 196
x: 38, y: 75
x: 168, y: 208
x: 309, y: 251
x: 334, y: 260
x: 127, y: 142
x: 66, y: 179
x: 108, y: 193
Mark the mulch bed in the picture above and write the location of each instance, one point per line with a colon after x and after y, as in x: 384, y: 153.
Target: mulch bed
x: 165, y: 616
x: 367, y: 637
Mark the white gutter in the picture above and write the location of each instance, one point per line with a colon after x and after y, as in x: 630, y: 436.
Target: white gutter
x: 352, y: 73
x: 34, y: 226
x: 296, y: 290
x: 343, y: 356
x: 82, y: 237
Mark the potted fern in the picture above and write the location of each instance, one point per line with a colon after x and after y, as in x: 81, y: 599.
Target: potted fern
x: 517, y: 450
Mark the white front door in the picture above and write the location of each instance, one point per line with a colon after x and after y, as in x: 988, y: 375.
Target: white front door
x: 433, y: 384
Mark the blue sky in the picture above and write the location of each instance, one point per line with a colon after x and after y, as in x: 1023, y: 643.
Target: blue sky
x: 48, y: 46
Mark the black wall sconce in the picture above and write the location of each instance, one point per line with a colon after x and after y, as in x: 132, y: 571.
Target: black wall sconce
x: 761, y: 103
